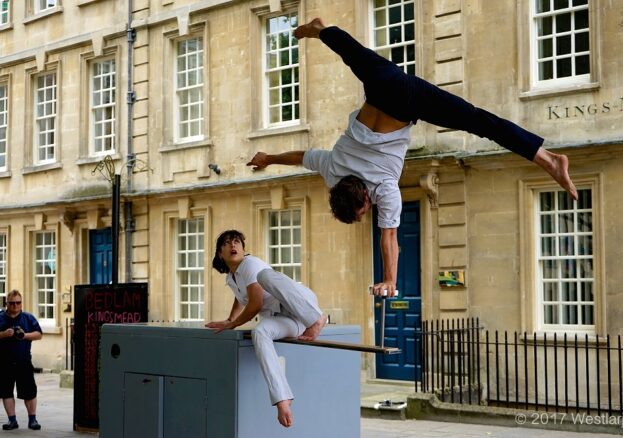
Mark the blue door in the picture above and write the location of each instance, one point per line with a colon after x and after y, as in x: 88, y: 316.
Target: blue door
x: 100, y: 256
x: 402, y: 313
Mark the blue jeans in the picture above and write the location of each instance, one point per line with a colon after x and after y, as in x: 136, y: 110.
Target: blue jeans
x: 409, y: 98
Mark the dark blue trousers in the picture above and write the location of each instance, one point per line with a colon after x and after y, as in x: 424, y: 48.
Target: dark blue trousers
x: 409, y: 98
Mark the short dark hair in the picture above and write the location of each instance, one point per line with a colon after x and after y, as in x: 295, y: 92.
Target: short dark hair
x: 346, y: 197
x: 217, y: 261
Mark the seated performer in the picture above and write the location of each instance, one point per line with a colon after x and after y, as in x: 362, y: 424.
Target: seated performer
x: 364, y: 166
x: 287, y: 309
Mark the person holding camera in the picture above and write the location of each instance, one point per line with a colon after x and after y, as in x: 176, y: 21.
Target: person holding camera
x: 17, y: 331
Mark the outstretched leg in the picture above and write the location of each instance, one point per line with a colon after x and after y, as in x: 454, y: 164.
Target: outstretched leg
x: 410, y: 98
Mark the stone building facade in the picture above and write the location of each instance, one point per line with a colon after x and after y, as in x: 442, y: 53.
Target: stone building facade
x: 214, y: 81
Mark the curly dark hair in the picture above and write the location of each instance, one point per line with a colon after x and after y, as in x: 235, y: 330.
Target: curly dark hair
x: 347, y: 197
x: 217, y: 261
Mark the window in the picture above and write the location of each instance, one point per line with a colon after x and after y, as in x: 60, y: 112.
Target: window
x: 393, y: 28
x: 45, y: 274
x: 3, y: 266
x: 189, y: 89
x: 4, y: 125
x: 281, y: 71
x: 190, y: 268
x: 44, y: 5
x: 4, y: 12
x: 561, y: 41
x: 103, y: 100
x: 45, y: 119
x: 284, y: 242
x: 565, y: 259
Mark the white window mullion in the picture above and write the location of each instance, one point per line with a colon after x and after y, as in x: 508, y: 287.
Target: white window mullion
x: 45, y: 275
x: 281, y: 71
x: 566, y: 262
x: 284, y: 242
x: 103, y: 101
x: 45, y: 119
x: 4, y: 12
x: 3, y: 266
x: 393, y: 31
x: 4, y: 126
x: 190, y: 269
x: 189, y: 90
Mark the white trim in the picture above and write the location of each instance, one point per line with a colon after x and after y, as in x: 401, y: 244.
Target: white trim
x: 552, y: 84
x: 199, y: 87
x: 555, y: 235
x: 112, y: 105
x: 199, y: 267
x: 295, y: 84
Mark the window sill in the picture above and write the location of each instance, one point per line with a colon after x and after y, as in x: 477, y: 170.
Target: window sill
x: 268, y: 132
x: 553, y: 92
x: 87, y: 2
x: 42, y: 15
x: 51, y: 329
x: 172, y: 147
x: 5, y: 174
x: 540, y: 338
x: 41, y: 168
x: 6, y: 26
x: 96, y: 159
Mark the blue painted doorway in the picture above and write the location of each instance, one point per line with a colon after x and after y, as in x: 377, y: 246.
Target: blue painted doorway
x: 403, y: 313
x: 100, y: 256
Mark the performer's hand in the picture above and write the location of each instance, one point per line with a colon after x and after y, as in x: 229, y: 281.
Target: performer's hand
x: 385, y: 289
x: 8, y: 333
x: 219, y: 326
x: 259, y: 161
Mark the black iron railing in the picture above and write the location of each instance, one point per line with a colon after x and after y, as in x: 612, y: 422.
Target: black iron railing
x: 462, y: 363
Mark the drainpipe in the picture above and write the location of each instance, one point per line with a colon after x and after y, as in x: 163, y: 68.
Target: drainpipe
x: 130, y: 161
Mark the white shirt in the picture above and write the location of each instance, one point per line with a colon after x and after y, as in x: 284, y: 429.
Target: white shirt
x: 245, y: 275
x: 376, y: 158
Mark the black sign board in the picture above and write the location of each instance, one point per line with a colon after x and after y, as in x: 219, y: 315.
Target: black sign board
x: 97, y: 305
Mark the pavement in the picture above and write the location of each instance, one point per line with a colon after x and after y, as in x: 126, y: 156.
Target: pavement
x: 55, y: 414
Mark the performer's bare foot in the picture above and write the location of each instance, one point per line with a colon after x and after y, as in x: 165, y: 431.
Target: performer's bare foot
x: 309, y: 30
x: 314, y: 330
x: 284, y: 413
x: 557, y: 166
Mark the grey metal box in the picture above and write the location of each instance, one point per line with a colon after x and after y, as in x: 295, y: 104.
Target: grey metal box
x: 182, y: 380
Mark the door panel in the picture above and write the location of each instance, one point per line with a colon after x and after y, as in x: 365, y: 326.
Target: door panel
x: 402, y: 313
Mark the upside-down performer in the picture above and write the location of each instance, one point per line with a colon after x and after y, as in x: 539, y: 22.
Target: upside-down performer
x: 364, y: 166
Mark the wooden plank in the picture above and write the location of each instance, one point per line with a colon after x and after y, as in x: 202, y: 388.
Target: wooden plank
x: 338, y: 345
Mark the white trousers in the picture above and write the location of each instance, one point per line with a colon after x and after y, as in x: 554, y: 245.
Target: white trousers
x: 299, y: 310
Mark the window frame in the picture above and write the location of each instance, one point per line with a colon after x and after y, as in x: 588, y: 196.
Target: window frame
x: 201, y: 87
x: 528, y: 247
x: 6, y: 23
x: 265, y: 82
x: 177, y: 269
x: 4, y: 262
x: 527, y: 82
x: 36, y: 146
x: 276, y: 201
x: 7, y: 113
x: 44, y: 321
x: 279, y: 246
x: 373, y: 28
x: 169, y: 141
x: 91, y: 108
x: 559, y: 280
x: 36, y: 6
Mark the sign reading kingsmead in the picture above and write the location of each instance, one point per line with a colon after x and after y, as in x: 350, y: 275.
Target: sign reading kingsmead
x: 557, y: 112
